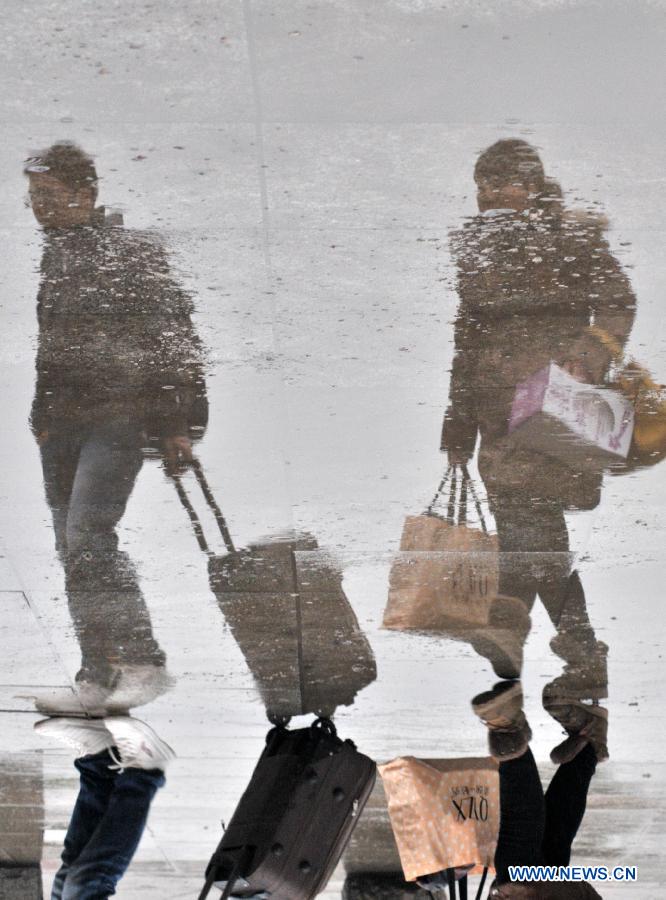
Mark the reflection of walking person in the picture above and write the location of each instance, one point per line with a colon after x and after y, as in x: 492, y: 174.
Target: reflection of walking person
x: 118, y: 367
x: 537, y: 284
x: 121, y: 763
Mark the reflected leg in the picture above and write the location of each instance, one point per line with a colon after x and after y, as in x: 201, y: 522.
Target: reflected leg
x: 60, y: 458
x: 585, y: 673
x: 111, y: 619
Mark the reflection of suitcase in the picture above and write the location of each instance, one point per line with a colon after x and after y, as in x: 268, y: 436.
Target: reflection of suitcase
x: 295, y: 818
x: 285, y: 606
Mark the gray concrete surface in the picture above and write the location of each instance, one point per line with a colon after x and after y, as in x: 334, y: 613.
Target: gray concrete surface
x: 303, y: 164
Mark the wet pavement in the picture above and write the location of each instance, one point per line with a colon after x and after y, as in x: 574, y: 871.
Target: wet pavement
x: 419, y: 374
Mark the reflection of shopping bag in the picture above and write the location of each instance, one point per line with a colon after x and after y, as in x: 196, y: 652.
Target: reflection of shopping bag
x: 580, y: 424
x: 649, y: 401
x: 447, y: 573
x: 444, y: 813
x: 285, y: 606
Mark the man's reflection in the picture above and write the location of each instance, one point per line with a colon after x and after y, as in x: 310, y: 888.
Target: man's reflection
x: 118, y: 368
x: 537, y: 283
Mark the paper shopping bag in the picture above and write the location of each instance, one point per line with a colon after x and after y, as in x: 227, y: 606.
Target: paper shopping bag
x: 446, y: 575
x: 444, y: 813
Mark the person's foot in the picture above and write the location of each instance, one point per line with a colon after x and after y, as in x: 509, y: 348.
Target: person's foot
x: 88, y: 699
x: 137, y: 744
x: 136, y: 685
x: 501, y: 709
x: 86, y: 736
x: 584, y: 723
x: 586, y: 668
x: 502, y: 648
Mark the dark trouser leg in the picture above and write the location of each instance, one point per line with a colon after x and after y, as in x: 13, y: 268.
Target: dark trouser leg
x: 109, y: 851
x: 566, y: 799
x: 522, y: 815
x: 96, y: 785
x: 534, y: 551
x: 60, y: 458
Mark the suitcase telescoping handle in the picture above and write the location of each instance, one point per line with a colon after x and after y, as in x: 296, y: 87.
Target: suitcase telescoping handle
x: 197, y: 468
x: 231, y: 882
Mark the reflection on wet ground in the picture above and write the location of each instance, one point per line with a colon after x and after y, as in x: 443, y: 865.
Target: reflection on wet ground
x: 230, y: 507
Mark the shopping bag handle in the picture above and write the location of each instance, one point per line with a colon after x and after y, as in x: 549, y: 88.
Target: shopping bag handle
x: 440, y: 490
x: 450, y: 478
x: 479, y: 893
x: 469, y: 483
x: 197, y: 468
x: 462, y: 885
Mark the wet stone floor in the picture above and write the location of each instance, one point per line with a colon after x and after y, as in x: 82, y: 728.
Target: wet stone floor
x: 333, y: 360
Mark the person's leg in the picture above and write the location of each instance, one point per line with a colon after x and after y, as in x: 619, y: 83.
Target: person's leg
x: 502, y: 640
x: 566, y: 799
x: 109, y: 613
x: 60, y: 457
x: 585, y: 673
x: 109, y: 462
x: 522, y: 815
x: 109, y: 850
x: 96, y: 785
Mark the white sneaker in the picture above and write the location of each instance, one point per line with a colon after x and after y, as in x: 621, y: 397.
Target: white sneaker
x: 137, y: 744
x: 136, y: 685
x: 86, y: 736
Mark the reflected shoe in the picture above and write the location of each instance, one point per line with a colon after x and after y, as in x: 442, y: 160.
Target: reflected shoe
x: 136, y: 685
x: 137, y: 744
x: 87, y: 699
x: 584, y: 723
x: 502, y: 648
x: 86, y: 736
x: 502, y: 712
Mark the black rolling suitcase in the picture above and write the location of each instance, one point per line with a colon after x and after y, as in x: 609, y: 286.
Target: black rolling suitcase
x: 285, y: 606
x: 295, y: 818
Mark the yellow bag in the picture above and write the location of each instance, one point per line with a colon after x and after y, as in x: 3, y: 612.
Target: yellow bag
x: 444, y: 812
x: 649, y: 399
x: 446, y: 575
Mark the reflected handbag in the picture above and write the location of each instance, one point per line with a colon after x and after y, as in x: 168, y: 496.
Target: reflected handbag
x: 445, y: 816
x: 446, y: 575
x: 648, y: 397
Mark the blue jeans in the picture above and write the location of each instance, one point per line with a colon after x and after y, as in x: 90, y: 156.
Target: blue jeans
x: 89, y: 474
x: 105, y: 829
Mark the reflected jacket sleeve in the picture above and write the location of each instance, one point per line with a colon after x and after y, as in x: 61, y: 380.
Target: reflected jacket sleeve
x: 177, y: 400
x: 461, y: 419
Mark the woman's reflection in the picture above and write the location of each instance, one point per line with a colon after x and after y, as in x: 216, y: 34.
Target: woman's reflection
x: 537, y: 285
x: 536, y: 282
x: 119, y: 367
